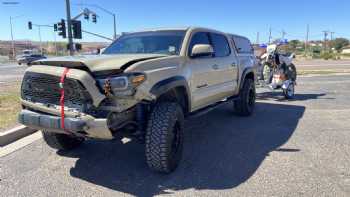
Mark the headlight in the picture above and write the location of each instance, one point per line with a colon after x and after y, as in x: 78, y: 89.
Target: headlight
x: 124, y: 85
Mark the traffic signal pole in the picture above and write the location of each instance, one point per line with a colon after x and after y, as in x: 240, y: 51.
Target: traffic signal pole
x: 69, y: 25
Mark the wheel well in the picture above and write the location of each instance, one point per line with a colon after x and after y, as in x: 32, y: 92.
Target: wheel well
x: 179, y: 95
x: 250, y: 76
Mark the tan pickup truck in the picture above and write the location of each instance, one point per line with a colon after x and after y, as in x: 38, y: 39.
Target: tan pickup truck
x: 143, y: 86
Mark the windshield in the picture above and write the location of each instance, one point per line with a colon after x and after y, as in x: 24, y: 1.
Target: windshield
x: 159, y: 42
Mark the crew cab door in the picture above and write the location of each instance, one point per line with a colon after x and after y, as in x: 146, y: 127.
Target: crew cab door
x: 225, y: 67
x: 202, y: 74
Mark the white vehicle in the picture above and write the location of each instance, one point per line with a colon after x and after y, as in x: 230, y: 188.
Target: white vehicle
x: 279, y: 71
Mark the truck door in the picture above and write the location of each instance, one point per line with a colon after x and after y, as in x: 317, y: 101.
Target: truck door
x: 225, y: 67
x: 203, y: 75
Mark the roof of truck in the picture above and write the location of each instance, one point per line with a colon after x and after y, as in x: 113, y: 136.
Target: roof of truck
x: 185, y: 28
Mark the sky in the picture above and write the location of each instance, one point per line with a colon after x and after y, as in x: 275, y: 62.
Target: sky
x: 240, y: 17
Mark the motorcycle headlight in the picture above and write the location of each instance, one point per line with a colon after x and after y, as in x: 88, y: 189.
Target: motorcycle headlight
x: 124, y: 85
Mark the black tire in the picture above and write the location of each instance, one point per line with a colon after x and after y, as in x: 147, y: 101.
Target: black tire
x: 164, y: 137
x: 289, y: 92
x: 61, y: 141
x: 267, y: 70
x: 292, y: 70
x: 245, y: 104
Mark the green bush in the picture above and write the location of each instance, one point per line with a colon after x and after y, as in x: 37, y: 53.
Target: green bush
x: 328, y: 55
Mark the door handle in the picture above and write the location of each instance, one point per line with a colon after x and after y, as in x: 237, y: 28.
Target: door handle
x: 234, y: 64
x: 215, y: 67
x: 202, y: 86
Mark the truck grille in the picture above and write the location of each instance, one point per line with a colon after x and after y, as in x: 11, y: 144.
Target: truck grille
x: 44, y: 88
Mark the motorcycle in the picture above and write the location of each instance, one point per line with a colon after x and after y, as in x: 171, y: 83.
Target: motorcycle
x: 278, y: 71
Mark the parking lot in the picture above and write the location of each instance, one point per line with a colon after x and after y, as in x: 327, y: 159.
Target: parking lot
x: 287, y: 148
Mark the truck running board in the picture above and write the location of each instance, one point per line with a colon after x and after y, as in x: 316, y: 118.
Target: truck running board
x: 211, y: 107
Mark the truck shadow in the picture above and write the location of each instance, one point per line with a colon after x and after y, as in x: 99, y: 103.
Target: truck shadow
x: 278, y: 96
x: 221, y: 151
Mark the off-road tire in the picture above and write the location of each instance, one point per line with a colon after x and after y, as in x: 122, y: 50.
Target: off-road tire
x: 61, y: 141
x: 245, y: 104
x: 164, y: 137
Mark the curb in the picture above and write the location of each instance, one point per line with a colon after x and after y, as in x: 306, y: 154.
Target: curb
x: 14, y: 134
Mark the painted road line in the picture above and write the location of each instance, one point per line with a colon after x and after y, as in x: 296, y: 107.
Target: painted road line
x: 8, y: 149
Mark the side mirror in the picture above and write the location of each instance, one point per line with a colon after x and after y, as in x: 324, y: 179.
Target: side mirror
x: 202, y: 50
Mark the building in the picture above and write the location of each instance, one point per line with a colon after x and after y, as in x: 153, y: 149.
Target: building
x: 346, y: 50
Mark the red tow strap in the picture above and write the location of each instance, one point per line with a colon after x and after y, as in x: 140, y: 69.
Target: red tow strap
x: 63, y: 77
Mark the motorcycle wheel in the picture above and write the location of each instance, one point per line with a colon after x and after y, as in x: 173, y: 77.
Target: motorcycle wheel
x: 289, y: 92
x: 267, y: 74
x: 292, y: 72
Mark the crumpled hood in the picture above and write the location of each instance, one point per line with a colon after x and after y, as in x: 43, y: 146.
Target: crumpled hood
x: 98, y: 62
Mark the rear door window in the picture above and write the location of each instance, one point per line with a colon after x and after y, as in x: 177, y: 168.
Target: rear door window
x: 243, y: 45
x: 220, y: 44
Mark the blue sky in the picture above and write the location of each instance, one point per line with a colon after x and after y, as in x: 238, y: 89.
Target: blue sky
x: 241, y: 17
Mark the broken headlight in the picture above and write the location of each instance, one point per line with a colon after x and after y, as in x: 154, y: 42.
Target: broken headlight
x: 124, y: 85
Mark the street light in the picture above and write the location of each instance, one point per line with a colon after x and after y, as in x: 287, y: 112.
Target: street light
x: 11, y: 18
x: 12, y: 39
x: 106, y: 11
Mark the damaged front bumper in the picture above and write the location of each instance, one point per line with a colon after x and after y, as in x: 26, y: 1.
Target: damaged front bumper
x: 92, y: 128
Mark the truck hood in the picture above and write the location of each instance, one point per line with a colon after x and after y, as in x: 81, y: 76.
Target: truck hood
x: 97, y: 63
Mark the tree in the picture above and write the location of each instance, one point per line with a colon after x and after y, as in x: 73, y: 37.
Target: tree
x: 339, y: 43
x: 294, y: 44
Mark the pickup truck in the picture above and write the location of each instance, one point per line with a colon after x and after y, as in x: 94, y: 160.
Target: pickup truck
x: 143, y: 87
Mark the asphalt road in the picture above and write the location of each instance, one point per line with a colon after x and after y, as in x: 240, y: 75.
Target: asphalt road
x: 11, y: 73
x: 287, y: 148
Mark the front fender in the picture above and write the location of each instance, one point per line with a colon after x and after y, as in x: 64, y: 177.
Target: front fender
x: 246, y: 71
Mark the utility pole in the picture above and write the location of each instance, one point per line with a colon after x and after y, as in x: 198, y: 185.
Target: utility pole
x: 115, y: 27
x: 332, y: 35
x: 40, y: 44
x: 257, y: 38
x: 325, y: 40
x: 270, y: 35
x: 283, y: 34
x: 307, y: 39
x: 69, y: 27
x: 12, y: 41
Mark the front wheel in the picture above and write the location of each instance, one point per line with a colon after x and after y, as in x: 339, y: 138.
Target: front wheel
x: 267, y: 73
x: 164, y: 137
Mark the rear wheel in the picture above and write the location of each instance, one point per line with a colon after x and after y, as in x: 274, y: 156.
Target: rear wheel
x: 61, y: 141
x: 290, y: 91
x: 245, y: 105
x: 292, y: 70
x: 164, y: 137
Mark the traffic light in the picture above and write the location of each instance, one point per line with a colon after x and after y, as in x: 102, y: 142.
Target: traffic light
x: 30, y: 25
x: 76, y: 27
x: 94, y: 18
x: 61, y: 27
x: 55, y: 27
x: 86, y: 16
